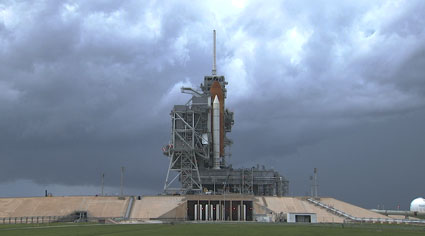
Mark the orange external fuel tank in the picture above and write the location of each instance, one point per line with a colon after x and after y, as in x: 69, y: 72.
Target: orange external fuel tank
x: 216, y: 90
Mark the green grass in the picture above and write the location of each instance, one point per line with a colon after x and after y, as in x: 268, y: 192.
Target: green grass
x: 246, y: 229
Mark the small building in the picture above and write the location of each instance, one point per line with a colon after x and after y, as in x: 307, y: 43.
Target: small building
x: 301, y: 218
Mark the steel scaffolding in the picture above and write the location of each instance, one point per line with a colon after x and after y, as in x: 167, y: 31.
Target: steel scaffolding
x: 186, y: 148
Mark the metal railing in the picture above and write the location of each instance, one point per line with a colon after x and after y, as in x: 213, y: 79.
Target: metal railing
x: 73, y: 219
x: 363, y: 219
x: 35, y: 219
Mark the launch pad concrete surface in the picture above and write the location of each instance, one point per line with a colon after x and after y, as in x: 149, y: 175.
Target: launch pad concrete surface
x: 172, y: 207
x: 297, y: 205
x: 159, y: 207
x: 62, y: 206
x: 351, y: 209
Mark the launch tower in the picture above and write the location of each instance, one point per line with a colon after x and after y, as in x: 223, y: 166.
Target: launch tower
x: 197, y: 148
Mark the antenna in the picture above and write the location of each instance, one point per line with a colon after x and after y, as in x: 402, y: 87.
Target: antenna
x: 103, y: 182
x: 122, y: 181
x: 214, y: 70
x: 316, y: 185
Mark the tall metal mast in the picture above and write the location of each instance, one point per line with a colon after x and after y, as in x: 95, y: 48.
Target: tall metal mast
x: 122, y: 181
x: 315, y: 184
x: 103, y: 183
x: 214, y: 70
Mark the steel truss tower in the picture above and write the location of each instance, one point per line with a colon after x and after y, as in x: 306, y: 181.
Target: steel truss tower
x: 187, y: 147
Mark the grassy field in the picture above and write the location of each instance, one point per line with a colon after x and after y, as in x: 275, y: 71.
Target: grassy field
x: 209, y: 229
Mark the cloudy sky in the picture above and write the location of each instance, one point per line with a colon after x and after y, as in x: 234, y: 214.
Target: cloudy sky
x: 87, y: 86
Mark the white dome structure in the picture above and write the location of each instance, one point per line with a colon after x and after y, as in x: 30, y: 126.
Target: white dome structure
x: 418, y: 205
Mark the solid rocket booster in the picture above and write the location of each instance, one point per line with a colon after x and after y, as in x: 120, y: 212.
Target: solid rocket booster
x: 216, y: 132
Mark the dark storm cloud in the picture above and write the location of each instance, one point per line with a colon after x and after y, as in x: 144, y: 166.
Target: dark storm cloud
x: 86, y: 87
x: 70, y: 73
x: 348, y: 72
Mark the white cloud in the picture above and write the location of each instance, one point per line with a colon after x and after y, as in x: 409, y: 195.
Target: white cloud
x: 292, y: 43
x: 6, y: 16
x: 174, y: 96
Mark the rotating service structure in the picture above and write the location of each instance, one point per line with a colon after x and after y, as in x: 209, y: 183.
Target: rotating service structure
x: 198, y: 147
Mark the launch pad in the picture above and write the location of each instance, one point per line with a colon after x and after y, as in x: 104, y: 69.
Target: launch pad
x: 200, y: 184
x: 198, y: 147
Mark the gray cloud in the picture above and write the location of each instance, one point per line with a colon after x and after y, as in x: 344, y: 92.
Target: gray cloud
x: 86, y: 87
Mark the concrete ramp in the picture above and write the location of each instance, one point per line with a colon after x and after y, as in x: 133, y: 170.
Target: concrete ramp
x: 297, y: 205
x: 62, y: 206
x: 159, y: 207
x: 351, y: 209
